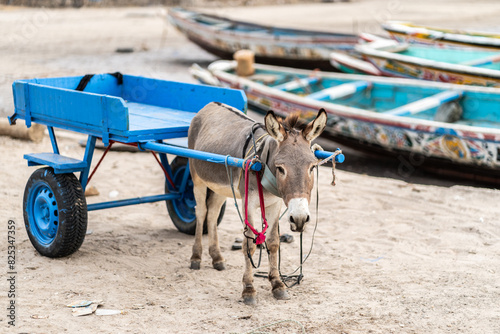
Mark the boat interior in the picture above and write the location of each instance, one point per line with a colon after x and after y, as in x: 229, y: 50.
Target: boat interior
x: 472, y: 108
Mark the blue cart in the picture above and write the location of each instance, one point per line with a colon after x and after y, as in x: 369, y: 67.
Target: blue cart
x: 148, y: 113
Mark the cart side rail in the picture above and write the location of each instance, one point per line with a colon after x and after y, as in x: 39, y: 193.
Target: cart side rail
x: 181, y: 95
x: 69, y: 109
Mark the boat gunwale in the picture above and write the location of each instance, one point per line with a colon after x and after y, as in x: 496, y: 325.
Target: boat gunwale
x: 326, y: 37
x: 477, y: 39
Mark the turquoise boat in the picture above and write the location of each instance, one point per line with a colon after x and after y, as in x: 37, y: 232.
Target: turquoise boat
x: 443, y: 124
x: 390, y: 58
x: 442, y: 37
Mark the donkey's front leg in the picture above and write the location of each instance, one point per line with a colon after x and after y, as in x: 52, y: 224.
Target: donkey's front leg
x: 273, y: 244
x: 248, y: 288
x: 249, y: 248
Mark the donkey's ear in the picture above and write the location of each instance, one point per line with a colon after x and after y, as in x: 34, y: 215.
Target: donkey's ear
x: 274, y: 127
x: 316, y: 127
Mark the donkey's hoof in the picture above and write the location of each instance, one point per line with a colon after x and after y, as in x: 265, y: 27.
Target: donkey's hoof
x: 195, y: 265
x: 281, y: 294
x: 220, y: 266
x: 249, y: 300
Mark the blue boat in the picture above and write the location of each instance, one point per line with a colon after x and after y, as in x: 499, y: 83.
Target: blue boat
x: 446, y: 125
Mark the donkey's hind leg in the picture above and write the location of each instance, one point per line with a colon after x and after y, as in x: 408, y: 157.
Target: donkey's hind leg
x: 200, y: 195
x: 214, y: 203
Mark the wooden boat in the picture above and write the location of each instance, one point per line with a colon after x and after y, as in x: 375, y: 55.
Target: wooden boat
x: 449, y: 38
x: 441, y: 123
x: 389, y: 58
x: 271, y: 45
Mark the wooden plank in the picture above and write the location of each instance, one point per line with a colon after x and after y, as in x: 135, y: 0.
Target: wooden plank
x: 426, y: 103
x: 60, y: 163
x: 297, y: 83
x: 482, y: 61
x: 339, y: 91
x: 149, y: 117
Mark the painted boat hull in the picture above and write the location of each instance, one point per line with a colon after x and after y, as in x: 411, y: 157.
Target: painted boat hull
x: 474, y: 148
x: 406, y: 66
x: 405, y: 32
x: 271, y: 45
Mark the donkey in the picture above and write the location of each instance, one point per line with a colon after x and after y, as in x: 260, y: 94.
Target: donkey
x: 285, y: 147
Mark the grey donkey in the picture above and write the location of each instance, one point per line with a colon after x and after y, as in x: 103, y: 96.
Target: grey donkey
x: 285, y: 147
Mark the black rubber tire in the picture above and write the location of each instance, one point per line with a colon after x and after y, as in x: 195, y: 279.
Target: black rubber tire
x: 71, y: 221
x: 188, y: 227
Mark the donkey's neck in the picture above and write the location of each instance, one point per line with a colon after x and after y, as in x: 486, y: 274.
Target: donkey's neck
x: 267, y: 152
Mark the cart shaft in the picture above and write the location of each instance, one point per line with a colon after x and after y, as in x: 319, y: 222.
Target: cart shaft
x: 188, y: 153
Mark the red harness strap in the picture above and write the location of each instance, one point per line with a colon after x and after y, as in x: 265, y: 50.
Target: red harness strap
x: 260, y: 237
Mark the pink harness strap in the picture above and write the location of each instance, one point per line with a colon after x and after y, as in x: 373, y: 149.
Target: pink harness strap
x: 260, y: 237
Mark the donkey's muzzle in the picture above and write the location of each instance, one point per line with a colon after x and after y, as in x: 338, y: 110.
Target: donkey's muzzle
x: 298, y: 224
x: 299, y: 214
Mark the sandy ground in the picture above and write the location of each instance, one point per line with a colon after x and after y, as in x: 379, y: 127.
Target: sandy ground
x: 390, y: 256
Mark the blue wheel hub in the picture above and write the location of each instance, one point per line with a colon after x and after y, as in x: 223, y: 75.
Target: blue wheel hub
x: 185, y: 205
x: 43, y: 213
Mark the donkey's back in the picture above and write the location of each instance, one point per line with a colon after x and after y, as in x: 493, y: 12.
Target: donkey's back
x: 222, y: 129
x: 217, y: 128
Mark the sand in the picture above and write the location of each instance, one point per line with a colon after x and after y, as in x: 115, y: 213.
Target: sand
x: 390, y: 255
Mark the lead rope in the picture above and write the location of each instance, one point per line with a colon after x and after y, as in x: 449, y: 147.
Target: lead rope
x: 260, y: 237
x: 298, y: 278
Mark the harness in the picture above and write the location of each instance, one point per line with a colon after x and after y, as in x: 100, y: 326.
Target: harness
x: 268, y: 181
x: 260, y: 237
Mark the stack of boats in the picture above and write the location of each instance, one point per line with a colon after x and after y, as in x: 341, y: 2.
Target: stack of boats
x: 449, y: 117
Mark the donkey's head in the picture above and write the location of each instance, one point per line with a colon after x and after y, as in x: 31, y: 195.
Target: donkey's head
x: 295, y: 162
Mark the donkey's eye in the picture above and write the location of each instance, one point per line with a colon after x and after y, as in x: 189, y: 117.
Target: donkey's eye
x: 280, y: 170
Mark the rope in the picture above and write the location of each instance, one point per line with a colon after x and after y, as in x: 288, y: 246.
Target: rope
x: 260, y: 237
x: 257, y: 330
x: 324, y: 161
x: 298, y: 278
x: 230, y: 177
x: 337, y: 152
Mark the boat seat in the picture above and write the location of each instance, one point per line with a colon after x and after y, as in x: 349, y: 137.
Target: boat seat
x: 482, y: 61
x: 297, y: 83
x: 339, y: 91
x: 426, y: 103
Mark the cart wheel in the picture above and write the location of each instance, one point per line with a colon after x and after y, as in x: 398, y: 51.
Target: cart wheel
x: 182, y: 210
x: 55, y: 212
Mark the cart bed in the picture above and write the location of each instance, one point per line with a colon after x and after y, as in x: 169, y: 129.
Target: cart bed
x: 123, y: 108
x: 144, y: 119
